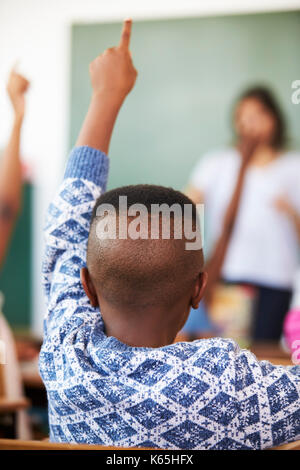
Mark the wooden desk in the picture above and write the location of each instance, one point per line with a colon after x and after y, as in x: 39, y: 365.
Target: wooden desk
x: 8, y: 416
x: 271, y: 352
x: 10, y: 406
x: 32, y: 380
x: 291, y: 446
x: 269, y: 349
x: 9, y: 444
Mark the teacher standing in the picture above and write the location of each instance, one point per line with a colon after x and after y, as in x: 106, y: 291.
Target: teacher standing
x: 263, y: 247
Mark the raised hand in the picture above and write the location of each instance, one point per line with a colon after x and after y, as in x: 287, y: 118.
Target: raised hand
x: 113, y: 71
x: 16, y: 88
x: 10, y: 163
x: 113, y: 76
x: 283, y: 205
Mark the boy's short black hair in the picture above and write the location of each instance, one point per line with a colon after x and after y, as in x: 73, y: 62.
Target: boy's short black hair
x: 137, y: 274
x: 146, y: 194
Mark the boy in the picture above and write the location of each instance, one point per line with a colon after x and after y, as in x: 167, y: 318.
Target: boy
x: 114, y: 377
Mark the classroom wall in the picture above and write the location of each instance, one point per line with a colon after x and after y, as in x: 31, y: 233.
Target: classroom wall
x: 38, y: 33
x: 191, y: 71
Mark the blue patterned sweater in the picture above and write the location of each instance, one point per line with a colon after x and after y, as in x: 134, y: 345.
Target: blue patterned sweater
x: 207, y: 394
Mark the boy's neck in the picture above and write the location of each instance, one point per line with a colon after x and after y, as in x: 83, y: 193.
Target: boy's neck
x: 145, y: 329
x: 140, y: 336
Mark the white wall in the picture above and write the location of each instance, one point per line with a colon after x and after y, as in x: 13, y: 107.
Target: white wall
x: 37, y: 32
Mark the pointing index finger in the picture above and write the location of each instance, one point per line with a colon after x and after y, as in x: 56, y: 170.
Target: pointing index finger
x: 125, y: 36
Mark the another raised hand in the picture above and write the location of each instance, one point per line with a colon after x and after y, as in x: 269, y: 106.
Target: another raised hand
x: 10, y: 163
x: 16, y: 88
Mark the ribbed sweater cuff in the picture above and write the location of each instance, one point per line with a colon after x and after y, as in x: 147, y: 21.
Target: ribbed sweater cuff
x: 88, y: 163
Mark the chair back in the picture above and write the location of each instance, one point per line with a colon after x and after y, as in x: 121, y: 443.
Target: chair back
x: 11, y: 383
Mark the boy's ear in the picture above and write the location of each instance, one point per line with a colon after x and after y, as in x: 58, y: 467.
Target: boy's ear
x: 199, y: 290
x: 88, y: 286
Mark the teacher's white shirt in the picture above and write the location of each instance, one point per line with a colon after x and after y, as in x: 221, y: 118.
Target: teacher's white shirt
x: 264, y: 247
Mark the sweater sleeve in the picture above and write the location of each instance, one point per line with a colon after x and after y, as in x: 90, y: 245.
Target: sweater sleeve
x: 66, y: 235
x: 268, y: 398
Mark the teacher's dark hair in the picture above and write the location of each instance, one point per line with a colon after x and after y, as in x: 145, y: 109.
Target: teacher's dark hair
x: 268, y: 100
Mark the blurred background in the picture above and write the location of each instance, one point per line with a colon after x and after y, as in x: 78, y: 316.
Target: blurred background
x: 194, y: 59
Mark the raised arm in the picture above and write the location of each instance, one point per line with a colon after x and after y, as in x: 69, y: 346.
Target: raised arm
x: 68, y: 219
x: 112, y: 76
x: 10, y: 164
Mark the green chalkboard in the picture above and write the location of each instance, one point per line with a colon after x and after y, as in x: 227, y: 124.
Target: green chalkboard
x: 15, y: 275
x: 190, y: 72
